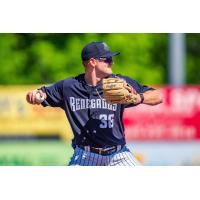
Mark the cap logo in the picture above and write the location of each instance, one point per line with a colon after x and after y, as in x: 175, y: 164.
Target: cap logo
x: 105, y: 47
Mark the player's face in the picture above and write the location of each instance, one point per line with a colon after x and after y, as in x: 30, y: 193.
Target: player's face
x: 104, y: 66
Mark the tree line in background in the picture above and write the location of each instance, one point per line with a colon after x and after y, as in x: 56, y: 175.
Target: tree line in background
x: 46, y: 58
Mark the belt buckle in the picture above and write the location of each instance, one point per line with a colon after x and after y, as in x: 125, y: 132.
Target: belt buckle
x: 110, y: 150
x: 100, y: 151
x: 104, y: 151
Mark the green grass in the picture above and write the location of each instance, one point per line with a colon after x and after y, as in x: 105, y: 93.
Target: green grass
x: 34, y: 153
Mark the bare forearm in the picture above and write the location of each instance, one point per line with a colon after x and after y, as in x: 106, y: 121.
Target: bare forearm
x: 152, y: 97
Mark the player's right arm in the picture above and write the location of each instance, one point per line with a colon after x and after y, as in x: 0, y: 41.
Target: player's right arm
x: 51, y: 95
x: 36, y: 97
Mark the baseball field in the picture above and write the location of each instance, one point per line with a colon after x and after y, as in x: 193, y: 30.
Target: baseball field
x: 34, y: 153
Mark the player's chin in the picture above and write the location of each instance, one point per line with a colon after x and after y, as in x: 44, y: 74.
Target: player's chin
x: 107, y: 74
x: 109, y: 71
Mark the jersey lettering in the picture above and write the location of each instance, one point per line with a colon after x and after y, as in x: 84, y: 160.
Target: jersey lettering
x: 77, y: 104
x: 98, y: 102
x: 87, y: 103
x: 81, y: 104
x: 92, y: 102
x: 72, y: 103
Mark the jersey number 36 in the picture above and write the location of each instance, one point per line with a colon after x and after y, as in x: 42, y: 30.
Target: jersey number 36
x: 107, y: 121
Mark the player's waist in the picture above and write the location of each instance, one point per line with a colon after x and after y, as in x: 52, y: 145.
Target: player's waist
x: 102, y: 151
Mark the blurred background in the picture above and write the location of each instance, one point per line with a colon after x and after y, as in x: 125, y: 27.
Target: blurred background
x: 166, y: 134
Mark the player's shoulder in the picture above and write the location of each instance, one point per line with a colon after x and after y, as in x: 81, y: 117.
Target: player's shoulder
x: 140, y: 88
x: 73, y: 80
x: 134, y: 83
x: 126, y: 78
x: 64, y: 83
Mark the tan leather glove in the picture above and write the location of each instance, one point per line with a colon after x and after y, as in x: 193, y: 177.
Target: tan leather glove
x: 117, y: 90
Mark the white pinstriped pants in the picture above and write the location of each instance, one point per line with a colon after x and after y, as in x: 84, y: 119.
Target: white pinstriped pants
x: 86, y: 158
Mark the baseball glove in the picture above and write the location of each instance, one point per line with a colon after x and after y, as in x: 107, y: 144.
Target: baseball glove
x: 117, y: 90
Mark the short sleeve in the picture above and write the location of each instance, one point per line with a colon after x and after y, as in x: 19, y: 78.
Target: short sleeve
x: 54, y: 94
x: 137, y: 86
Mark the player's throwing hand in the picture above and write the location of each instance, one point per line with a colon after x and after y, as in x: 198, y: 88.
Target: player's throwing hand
x: 36, y: 97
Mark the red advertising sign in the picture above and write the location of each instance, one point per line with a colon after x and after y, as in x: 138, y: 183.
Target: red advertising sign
x: 177, y: 118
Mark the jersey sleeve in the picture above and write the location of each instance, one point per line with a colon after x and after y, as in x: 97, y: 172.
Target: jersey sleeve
x: 137, y: 86
x: 54, y: 94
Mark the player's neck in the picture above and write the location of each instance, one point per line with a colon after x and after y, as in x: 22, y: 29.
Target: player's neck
x: 91, y: 78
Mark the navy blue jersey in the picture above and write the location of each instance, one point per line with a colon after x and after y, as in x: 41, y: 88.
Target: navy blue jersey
x: 94, y: 122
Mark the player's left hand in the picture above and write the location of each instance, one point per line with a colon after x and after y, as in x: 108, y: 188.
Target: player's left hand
x: 117, y: 90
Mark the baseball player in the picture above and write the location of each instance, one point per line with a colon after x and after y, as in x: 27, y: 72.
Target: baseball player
x: 94, y: 107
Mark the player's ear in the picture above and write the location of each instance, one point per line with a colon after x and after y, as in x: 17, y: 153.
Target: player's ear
x: 92, y: 62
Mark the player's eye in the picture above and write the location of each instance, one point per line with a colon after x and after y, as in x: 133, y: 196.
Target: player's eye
x: 107, y: 60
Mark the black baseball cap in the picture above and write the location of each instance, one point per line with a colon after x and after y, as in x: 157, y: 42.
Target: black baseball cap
x: 97, y: 50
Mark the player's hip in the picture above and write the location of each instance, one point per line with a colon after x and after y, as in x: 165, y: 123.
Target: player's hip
x: 113, y: 156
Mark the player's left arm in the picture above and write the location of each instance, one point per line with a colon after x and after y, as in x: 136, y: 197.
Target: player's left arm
x: 151, y: 97
x: 144, y: 94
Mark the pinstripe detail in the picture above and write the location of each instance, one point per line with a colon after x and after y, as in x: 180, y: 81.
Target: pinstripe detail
x: 88, y: 157
x: 123, y: 159
x: 132, y: 158
x: 76, y: 158
x: 114, y: 160
x: 71, y: 160
x: 120, y: 161
x: 91, y: 160
x: 126, y: 162
x: 97, y: 158
x: 85, y: 158
x: 108, y: 158
x: 128, y: 159
x: 101, y: 160
x: 77, y: 154
x: 117, y: 160
x: 137, y: 163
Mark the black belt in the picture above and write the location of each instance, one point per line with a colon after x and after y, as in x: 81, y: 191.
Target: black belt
x: 102, y: 151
